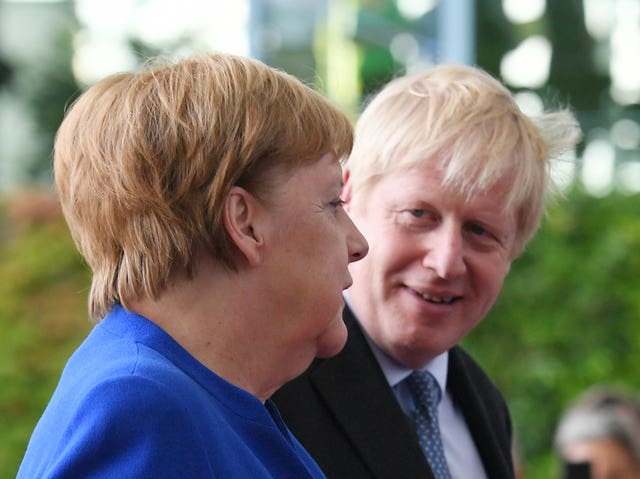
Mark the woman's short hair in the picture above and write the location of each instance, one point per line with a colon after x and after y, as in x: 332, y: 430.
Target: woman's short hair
x: 144, y: 161
x: 462, y: 120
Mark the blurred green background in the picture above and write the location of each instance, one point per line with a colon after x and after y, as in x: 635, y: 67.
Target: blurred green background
x: 569, y: 314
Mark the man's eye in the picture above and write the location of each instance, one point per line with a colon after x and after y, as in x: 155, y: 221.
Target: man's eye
x: 477, y: 230
x: 337, y: 202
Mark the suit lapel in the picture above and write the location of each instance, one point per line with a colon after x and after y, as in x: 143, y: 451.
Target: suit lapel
x: 355, y: 390
x: 483, y: 423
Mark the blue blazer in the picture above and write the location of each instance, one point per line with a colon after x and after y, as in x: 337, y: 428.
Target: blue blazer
x: 345, y: 414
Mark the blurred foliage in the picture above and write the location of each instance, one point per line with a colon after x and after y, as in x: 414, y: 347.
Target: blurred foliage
x: 42, y: 314
x: 568, y: 317
x: 5, y: 72
x: 574, y: 74
x: 378, y: 22
x: 49, y: 87
x: 494, y: 35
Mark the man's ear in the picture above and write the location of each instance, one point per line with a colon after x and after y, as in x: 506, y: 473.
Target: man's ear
x: 241, y: 212
x: 345, y: 194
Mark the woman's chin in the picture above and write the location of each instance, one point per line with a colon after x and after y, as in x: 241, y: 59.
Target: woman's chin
x: 333, y: 340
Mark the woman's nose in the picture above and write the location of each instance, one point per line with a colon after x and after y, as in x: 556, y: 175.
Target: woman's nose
x: 357, y: 244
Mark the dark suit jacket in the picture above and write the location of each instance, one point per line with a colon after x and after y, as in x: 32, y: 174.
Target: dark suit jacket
x: 346, y: 415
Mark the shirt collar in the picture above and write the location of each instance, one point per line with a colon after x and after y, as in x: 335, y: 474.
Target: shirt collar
x: 395, y: 372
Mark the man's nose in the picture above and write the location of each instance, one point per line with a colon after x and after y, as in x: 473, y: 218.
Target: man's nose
x: 445, y: 250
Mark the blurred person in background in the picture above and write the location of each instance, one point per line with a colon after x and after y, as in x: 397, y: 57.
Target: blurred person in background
x: 447, y: 180
x: 205, y: 197
x: 598, y: 437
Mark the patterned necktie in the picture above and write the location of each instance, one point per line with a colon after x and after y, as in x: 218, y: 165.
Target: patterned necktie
x: 426, y: 393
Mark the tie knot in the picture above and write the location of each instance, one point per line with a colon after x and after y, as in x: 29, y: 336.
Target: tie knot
x: 425, y: 388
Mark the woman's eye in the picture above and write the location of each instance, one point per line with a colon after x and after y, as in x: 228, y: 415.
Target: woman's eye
x: 417, y: 213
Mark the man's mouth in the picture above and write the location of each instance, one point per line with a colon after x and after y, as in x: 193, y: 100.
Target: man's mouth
x: 438, y: 299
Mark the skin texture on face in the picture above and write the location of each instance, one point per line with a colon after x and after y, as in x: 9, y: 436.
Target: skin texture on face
x: 436, y: 262
x: 608, y: 459
x: 309, y: 244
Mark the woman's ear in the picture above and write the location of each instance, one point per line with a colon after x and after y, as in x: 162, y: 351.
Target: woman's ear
x: 345, y: 194
x: 241, y: 213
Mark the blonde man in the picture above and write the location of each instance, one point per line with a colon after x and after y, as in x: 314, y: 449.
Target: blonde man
x: 446, y: 180
x: 205, y: 197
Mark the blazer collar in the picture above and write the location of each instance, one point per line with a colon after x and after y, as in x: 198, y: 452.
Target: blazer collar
x: 356, y: 391
x: 480, y: 414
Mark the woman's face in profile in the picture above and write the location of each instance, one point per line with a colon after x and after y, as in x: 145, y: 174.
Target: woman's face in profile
x: 310, y: 243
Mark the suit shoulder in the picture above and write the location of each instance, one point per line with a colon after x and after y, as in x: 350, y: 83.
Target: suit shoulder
x: 463, y: 366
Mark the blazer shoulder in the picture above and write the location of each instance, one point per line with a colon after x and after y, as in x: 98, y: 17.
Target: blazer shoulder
x: 464, y: 368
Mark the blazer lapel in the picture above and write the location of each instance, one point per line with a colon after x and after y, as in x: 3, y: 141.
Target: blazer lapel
x: 487, y: 419
x: 358, y: 395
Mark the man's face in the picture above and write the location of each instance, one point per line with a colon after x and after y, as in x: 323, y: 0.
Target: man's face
x: 436, y: 262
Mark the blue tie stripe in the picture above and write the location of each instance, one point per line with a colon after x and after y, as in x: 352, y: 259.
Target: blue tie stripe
x: 426, y: 393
